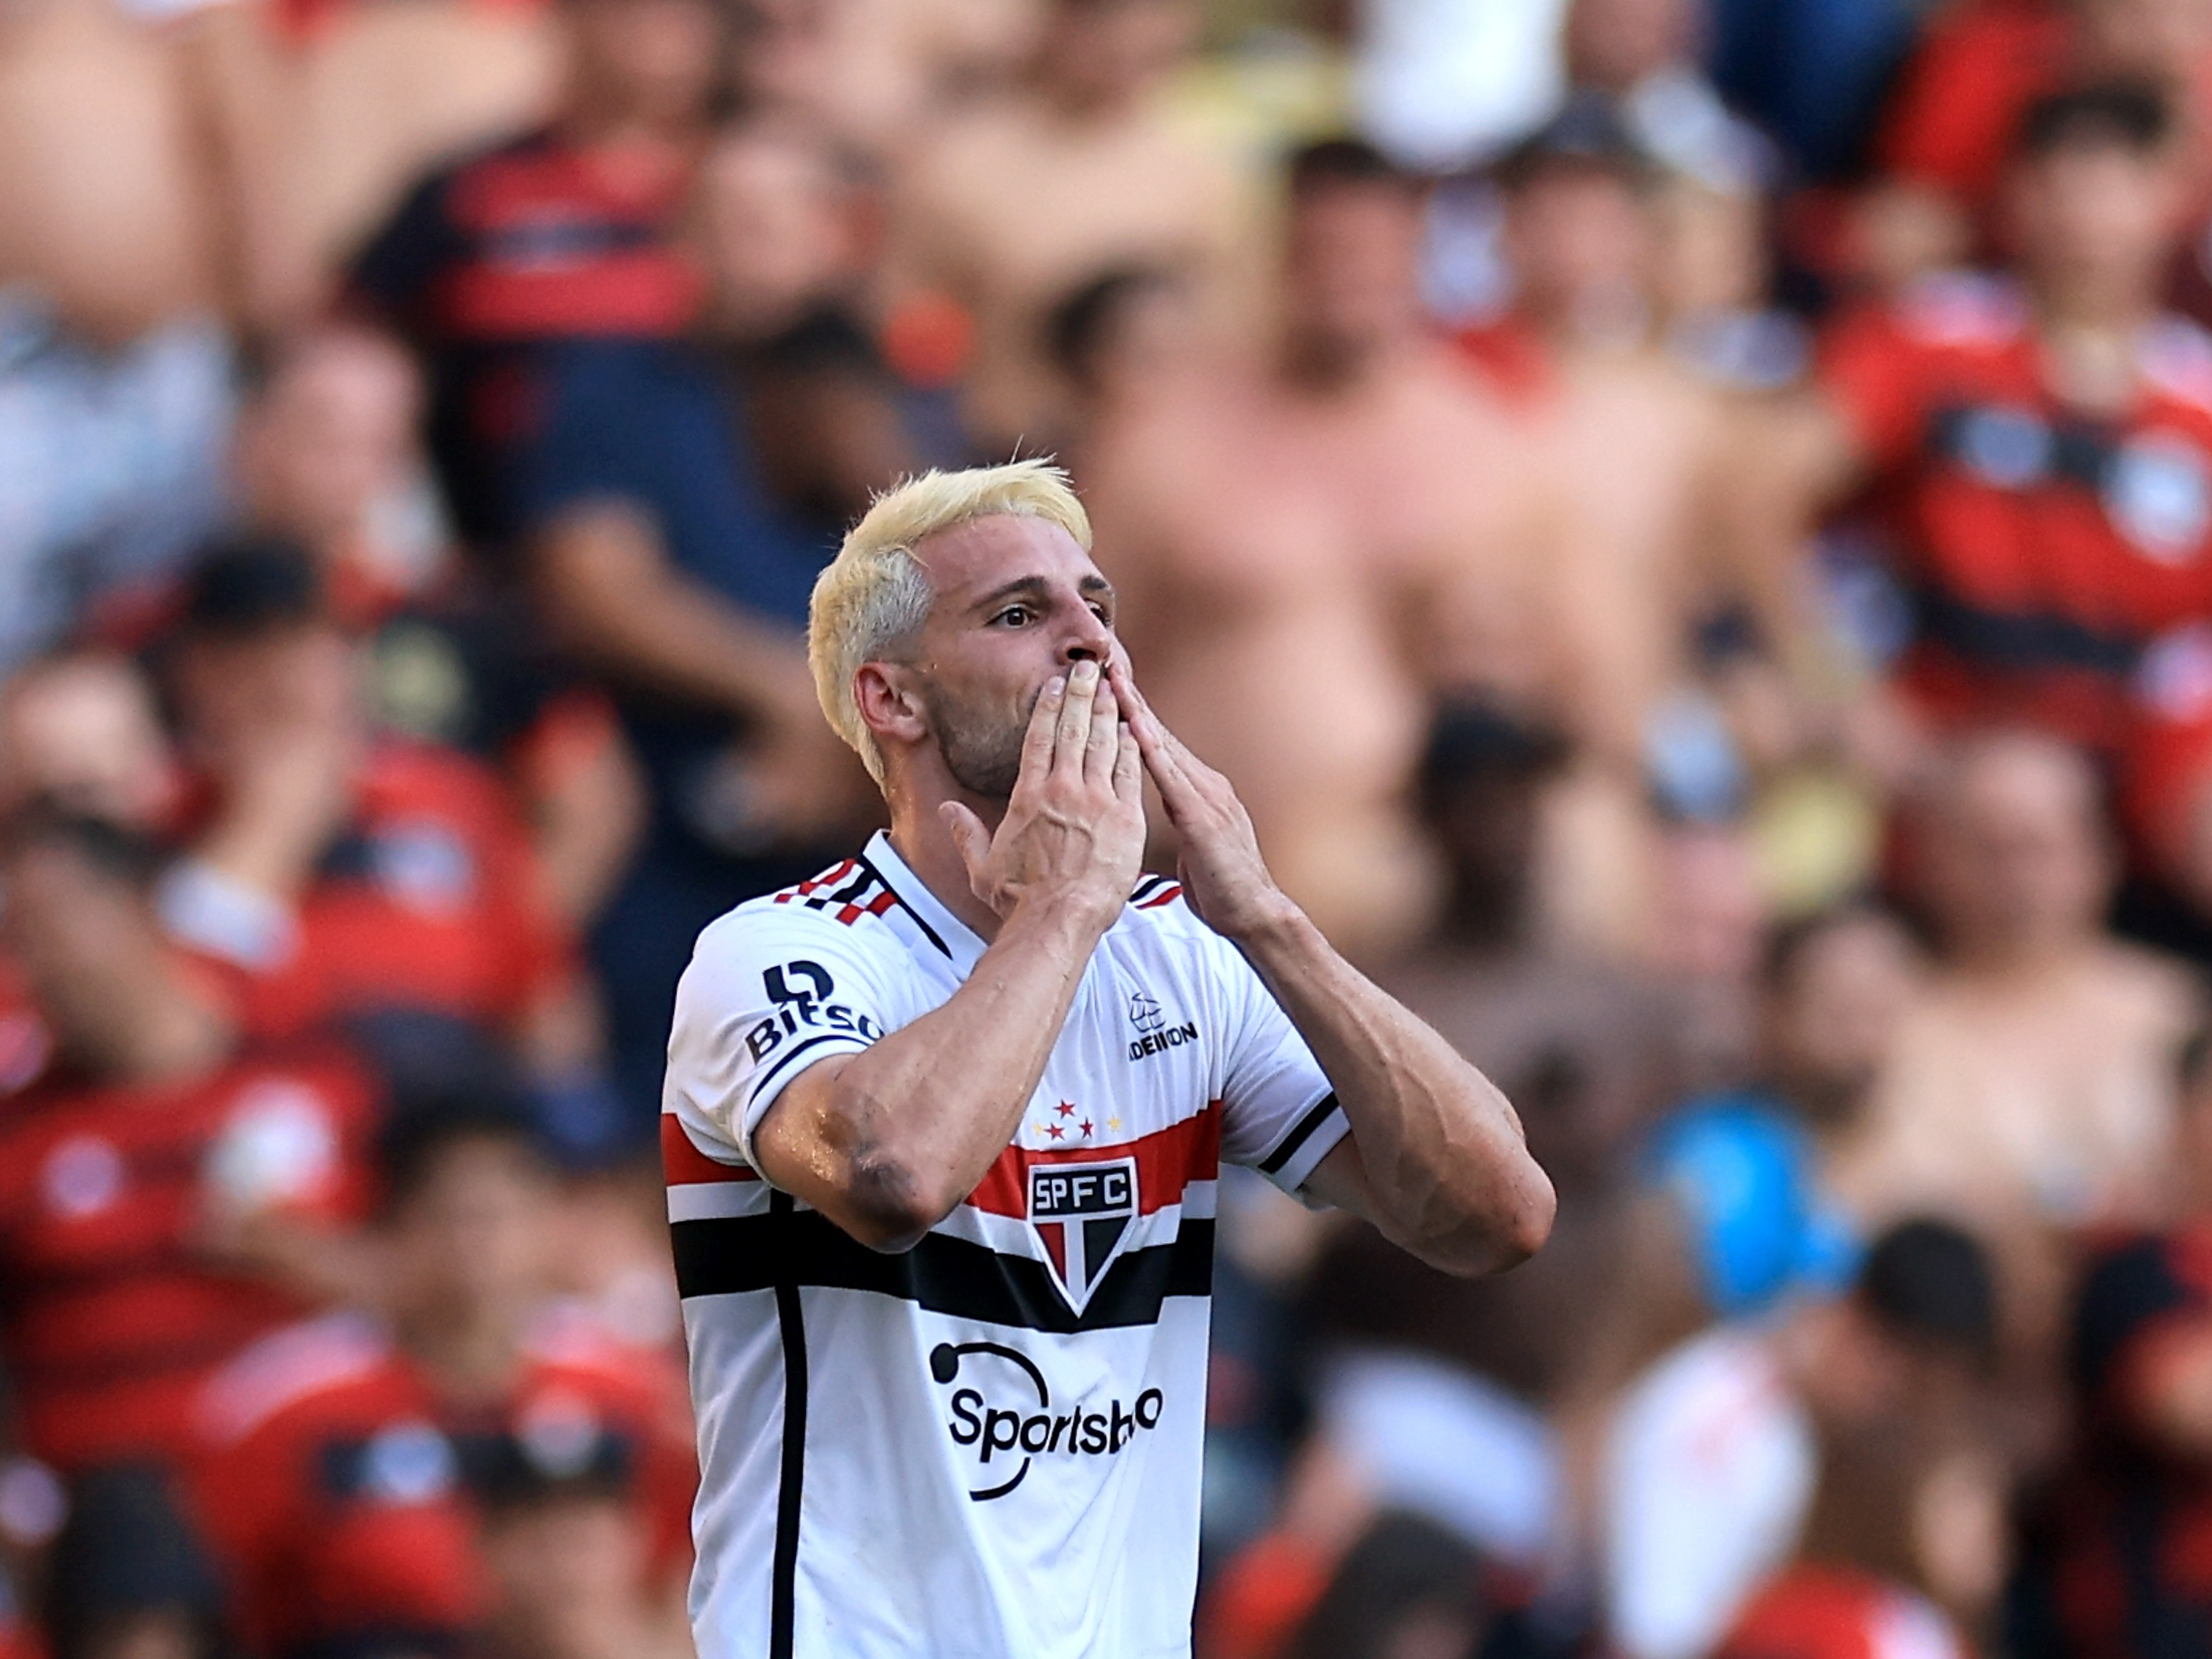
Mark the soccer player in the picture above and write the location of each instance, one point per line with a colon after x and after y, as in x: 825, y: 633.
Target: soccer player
x: 943, y: 1126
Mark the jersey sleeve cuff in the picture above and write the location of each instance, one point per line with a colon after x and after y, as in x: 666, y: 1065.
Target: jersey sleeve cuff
x: 763, y: 1089
x: 1310, y: 1139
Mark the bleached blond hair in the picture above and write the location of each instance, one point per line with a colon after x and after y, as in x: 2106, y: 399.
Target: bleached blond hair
x: 874, y: 596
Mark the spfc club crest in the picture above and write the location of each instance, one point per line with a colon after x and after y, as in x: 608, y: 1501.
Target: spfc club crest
x: 1080, y: 1211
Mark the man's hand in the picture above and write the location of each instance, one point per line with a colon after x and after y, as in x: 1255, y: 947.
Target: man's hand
x: 1224, y: 876
x: 1074, y: 828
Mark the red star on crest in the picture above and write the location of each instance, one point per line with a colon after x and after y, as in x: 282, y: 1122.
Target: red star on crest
x: 1055, y: 1130
x: 1066, y: 1108
x: 1087, y: 1126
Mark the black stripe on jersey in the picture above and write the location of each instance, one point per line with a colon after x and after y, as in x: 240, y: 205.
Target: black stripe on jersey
x: 957, y: 1277
x: 753, y: 1092
x: 790, y: 1318
x: 912, y: 914
x: 1299, y: 1135
x: 1148, y: 885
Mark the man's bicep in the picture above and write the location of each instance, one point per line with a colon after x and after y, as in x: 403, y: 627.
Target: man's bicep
x: 793, y: 1148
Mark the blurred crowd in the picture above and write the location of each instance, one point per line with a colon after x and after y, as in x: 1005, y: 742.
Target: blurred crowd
x: 1688, y: 522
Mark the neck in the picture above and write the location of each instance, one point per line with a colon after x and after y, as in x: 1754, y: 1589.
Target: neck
x: 469, y: 1356
x: 919, y: 835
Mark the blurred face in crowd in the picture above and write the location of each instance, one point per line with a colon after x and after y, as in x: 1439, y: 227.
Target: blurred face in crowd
x: 1581, y: 241
x: 651, y: 61
x: 1103, y: 55
x: 2015, y: 863
x: 1833, y: 1013
x: 1017, y: 601
x: 1143, y: 336
x: 2094, y: 219
x: 779, y: 224
x: 568, y: 1573
x: 234, y: 694
x: 2145, y: 37
x: 1352, y: 278
x: 1486, y: 824
x: 1710, y: 250
x: 472, y: 1240
x: 81, y: 733
x: 1613, y: 44
x: 330, y: 437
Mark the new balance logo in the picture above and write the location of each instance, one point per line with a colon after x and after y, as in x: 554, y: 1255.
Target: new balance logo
x: 801, y: 992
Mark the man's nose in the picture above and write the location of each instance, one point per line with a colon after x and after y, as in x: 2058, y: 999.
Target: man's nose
x: 1089, y: 639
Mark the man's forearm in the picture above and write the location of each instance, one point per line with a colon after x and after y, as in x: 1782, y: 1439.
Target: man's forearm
x: 914, y: 1122
x: 1446, y: 1168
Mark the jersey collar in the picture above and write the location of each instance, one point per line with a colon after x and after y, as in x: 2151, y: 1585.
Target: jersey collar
x: 943, y: 929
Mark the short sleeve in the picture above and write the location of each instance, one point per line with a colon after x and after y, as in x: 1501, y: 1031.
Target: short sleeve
x: 769, y: 993
x: 1279, y: 1116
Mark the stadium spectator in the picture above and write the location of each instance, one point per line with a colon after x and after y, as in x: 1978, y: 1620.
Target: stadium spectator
x: 2039, y: 445
x: 666, y: 559
x: 337, y: 870
x: 340, y: 1461
x: 129, y: 1577
x: 1715, y: 1453
x: 171, y: 1192
x: 1078, y: 171
x: 1338, y: 505
x: 561, y: 234
x: 2031, y: 1084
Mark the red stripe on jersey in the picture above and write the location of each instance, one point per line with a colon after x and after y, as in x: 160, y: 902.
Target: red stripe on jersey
x: 1167, y: 1160
x: 686, y: 1165
x: 1167, y: 895
x: 829, y: 878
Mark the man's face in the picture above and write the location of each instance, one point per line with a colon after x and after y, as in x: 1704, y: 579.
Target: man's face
x: 1104, y: 53
x: 1581, y: 238
x: 1352, y: 272
x: 1017, y: 601
x: 333, y: 435
x: 1614, y: 44
x: 2013, y: 855
x: 777, y: 226
x: 655, y: 61
x: 84, y: 733
x: 1834, y: 1018
x: 475, y: 1237
x: 2099, y: 213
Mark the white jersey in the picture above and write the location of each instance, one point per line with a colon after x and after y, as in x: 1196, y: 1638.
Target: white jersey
x: 990, y: 1444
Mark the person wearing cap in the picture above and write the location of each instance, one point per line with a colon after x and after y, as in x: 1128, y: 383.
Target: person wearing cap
x: 344, y: 1467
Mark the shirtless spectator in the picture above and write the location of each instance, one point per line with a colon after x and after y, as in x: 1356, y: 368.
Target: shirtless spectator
x: 560, y: 234
x: 459, y: 1370
x: 146, y: 156
x: 1317, y: 509
x: 173, y: 1192
x: 676, y: 516
x: 2030, y: 1088
x: 1078, y: 171
x: 2038, y: 448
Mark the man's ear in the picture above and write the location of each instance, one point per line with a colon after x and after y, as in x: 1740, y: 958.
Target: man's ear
x: 889, y: 701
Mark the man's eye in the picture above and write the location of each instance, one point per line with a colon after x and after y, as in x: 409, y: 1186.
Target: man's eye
x: 1015, y: 615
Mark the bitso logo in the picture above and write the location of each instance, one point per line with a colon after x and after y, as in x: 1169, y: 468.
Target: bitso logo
x: 1080, y: 1211
x: 1017, y: 1421
x: 1154, y: 1034
x: 801, y: 992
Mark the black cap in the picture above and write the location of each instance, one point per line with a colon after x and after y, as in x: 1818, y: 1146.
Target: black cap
x: 1930, y: 1281
x: 126, y: 1549
x: 241, y: 586
x: 1589, y: 131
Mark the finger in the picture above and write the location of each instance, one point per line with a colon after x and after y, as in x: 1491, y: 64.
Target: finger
x: 1128, y: 768
x: 1073, y: 735
x: 1103, y: 753
x: 1044, y: 721
x: 972, y: 840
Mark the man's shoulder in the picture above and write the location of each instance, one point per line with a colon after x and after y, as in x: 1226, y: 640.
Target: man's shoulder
x: 342, y: 1369
x: 845, y: 907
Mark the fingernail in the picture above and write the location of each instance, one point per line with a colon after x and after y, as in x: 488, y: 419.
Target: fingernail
x: 1055, y: 685
x: 1085, y: 672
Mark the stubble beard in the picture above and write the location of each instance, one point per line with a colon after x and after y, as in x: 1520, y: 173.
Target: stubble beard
x: 982, y: 750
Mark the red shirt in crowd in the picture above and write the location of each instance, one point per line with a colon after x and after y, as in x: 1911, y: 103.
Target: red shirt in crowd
x: 2048, y: 556
x: 330, y: 1481
x: 112, y: 1307
x: 428, y: 898
x: 1812, y: 1611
